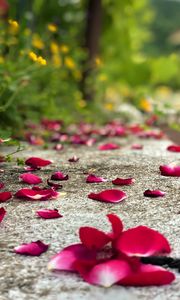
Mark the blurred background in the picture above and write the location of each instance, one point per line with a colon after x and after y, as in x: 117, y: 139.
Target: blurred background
x: 89, y: 60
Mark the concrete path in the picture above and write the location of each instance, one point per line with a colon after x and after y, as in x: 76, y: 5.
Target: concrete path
x: 27, y: 278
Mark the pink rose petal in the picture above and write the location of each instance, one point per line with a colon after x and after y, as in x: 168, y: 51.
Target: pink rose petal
x: 66, y: 258
x: 93, y: 238
x: 33, y: 248
x: 48, y: 213
x: 117, y: 226
x: 58, y: 147
x: 30, y: 178
x: 59, y: 176
x: 91, y: 178
x: 111, y: 196
x: 148, y: 275
x: 142, y: 241
x: 174, y: 148
x: 105, y: 274
x: 137, y: 147
x: 32, y: 194
x: 2, y: 213
x: 123, y: 181
x: 170, y: 170
x: 154, y: 193
x: 108, y: 146
x: 37, y: 162
x: 4, y: 196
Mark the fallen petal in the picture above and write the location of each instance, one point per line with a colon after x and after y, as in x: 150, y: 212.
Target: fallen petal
x: 111, y: 196
x: 137, y: 147
x: 33, y: 248
x: 142, y: 241
x: 66, y: 258
x: 174, y: 148
x: 117, y: 226
x: 56, y: 186
x: 170, y: 170
x: 2, y: 185
x: 48, y: 213
x: 59, y: 176
x: 108, y: 146
x: 93, y: 238
x: 30, y: 178
x: 4, y: 196
x: 123, y: 181
x: 2, y: 213
x: 32, y: 194
x: 36, y: 162
x: 91, y: 178
x: 154, y: 193
x: 73, y: 159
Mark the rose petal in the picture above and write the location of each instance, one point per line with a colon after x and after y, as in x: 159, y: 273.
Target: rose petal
x: 148, y: 275
x: 36, y: 162
x: 33, y: 248
x: 2, y: 213
x: 108, y: 146
x: 56, y: 186
x: 93, y: 238
x: 2, y: 185
x: 137, y: 147
x: 170, y: 170
x: 154, y: 193
x: 117, y: 226
x: 32, y: 194
x: 48, y: 213
x: 66, y: 258
x: 105, y: 274
x: 112, y: 196
x: 123, y: 181
x: 73, y: 159
x: 4, y: 196
x: 91, y: 178
x: 30, y: 178
x: 174, y: 148
x: 58, y: 147
x: 142, y: 241
x: 59, y: 176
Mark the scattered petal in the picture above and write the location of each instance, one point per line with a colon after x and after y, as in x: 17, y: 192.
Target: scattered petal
x: 48, y: 213
x: 37, y: 162
x: 137, y: 147
x: 4, y: 196
x: 30, y: 178
x: 148, y: 275
x: 91, y: 178
x: 2, y: 213
x: 123, y: 181
x: 108, y: 146
x: 112, y: 196
x: 117, y: 226
x: 1, y: 185
x: 66, y: 258
x: 73, y: 159
x: 56, y: 186
x: 59, y: 176
x: 170, y: 170
x: 58, y: 147
x: 33, y: 248
x: 34, y: 194
x: 142, y: 241
x: 93, y: 238
x: 154, y: 193
x: 174, y: 148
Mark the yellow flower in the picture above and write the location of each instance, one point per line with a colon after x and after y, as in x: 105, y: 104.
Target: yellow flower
x: 56, y: 59
x: 145, y: 105
x: 82, y: 103
x: 64, y: 48
x: 52, y: 27
x: 32, y: 56
x: 2, y: 60
x: 37, y: 42
x: 54, y: 47
x: 41, y: 61
x: 98, y: 61
x: 109, y: 106
x: 69, y: 62
x: 13, y: 26
x: 102, y: 77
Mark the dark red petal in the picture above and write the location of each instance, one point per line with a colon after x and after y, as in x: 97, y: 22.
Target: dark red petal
x: 105, y: 274
x: 112, y: 196
x: 174, y: 148
x: 4, y: 196
x: 48, y: 213
x: 59, y: 176
x: 30, y: 178
x: 170, y: 170
x: 93, y: 238
x: 123, y: 181
x: 37, y: 162
x: 33, y: 248
x: 73, y: 159
x: 117, y: 226
x: 66, y: 258
x: 91, y: 178
x: 2, y: 185
x: 137, y: 147
x: 154, y: 193
x: 108, y: 146
x: 2, y: 213
x: 142, y: 241
x: 56, y: 186
x: 148, y: 275
x: 32, y: 194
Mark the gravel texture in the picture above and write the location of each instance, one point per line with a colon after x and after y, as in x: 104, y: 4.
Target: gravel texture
x: 28, y: 277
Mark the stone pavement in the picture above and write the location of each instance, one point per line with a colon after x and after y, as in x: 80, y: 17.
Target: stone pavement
x: 27, y: 278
